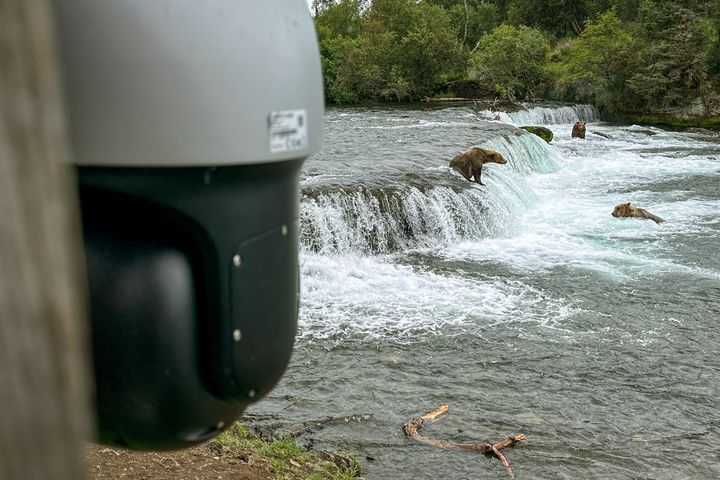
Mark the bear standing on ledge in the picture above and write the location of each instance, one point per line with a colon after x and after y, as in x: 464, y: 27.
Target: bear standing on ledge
x: 470, y: 163
x: 627, y: 210
x: 579, y: 130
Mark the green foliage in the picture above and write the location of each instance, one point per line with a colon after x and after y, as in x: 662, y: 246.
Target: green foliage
x: 714, y: 46
x: 285, y: 449
x: 339, y: 19
x: 622, y: 55
x: 429, y: 51
x: 510, y: 60
x: 626, y: 9
x: 470, y: 19
x: 594, y: 67
x: 238, y: 437
x: 676, y: 50
x: 288, y: 461
x: 557, y: 17
x: 356, y: 73
x: 402, y: 51
x: 352, y: 473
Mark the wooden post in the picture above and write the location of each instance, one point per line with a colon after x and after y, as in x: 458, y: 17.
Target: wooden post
x: 44, y: 388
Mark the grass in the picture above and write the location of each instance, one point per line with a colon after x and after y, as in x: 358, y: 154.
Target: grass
x: 287, y: 460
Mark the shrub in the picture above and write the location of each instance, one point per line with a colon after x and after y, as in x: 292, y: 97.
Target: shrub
x: 510, y: 60
x: 595, y: 66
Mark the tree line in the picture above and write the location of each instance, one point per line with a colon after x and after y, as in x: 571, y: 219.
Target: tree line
x: 620, y: 55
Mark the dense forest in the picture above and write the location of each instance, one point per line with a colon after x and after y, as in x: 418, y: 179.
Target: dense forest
x: 620, y: 55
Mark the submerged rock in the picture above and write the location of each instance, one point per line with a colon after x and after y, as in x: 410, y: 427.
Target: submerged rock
x: 542, y: 132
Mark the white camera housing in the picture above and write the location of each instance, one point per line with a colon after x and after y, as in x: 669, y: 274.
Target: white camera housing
x: 190, y: 82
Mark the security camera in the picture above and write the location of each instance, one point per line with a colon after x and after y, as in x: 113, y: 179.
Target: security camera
x: 189, y: 123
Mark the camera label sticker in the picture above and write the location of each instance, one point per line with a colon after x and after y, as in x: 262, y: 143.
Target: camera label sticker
x: 287, y: 130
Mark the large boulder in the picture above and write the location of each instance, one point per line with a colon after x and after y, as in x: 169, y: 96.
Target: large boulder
x: 542, y: 132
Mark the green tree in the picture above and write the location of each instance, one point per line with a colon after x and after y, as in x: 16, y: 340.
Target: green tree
x: 429, y: 51
x: 557, y: 17
x: 399, y: 16
x: 622, y: 55
x: 333, y: 18
x: 595, y: 66
x: 470, y: 19
x: 363, y: 68
x: 395, y: 50
x: 714, y: 47
x: 337, y: 54
x: 510, y: 61
x: 626, y: 9
x: 677, y: 50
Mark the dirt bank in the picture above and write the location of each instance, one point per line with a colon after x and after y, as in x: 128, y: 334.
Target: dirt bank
x: 235, y: 454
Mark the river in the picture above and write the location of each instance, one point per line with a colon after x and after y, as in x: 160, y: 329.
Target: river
x: 523, y: 305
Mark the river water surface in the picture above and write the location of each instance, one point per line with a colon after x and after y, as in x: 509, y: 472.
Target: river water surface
x: 523, y: 305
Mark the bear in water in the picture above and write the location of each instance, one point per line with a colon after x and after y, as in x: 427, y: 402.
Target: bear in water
x: 627, y: 210
x: 579, y: 129
x: 470, y: 163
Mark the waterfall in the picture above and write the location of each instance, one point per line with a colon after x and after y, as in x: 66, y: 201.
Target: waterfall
x: 380, y: 219
x: 526, y: 153
x: 546, y: 115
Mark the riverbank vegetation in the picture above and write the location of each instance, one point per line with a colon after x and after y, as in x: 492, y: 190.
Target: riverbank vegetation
x: 236, y: 453
x: 624, y: 56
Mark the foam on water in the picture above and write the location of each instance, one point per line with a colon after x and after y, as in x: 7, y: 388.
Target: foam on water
x: 548, y: 208
x: 546, y: 115
x: 373, y: 298
x: 570, y: 222
x: 420, y: 124
x: 366, y: 220
x: 583, y: 327
x: 620, y: 255
x: 525, y: 153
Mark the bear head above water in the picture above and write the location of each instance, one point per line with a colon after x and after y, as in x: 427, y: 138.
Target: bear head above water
x: 626, y: 210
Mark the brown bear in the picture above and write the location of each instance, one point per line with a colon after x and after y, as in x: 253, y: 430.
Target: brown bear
x: 579, y: 129
x: 627, y: 210
x: 470, y: 163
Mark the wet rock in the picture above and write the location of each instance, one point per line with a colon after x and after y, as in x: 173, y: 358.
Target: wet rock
x: 542, y: 132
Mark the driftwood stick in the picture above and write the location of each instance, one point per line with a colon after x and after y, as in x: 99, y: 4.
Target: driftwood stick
x: 412, y: 427
x: 496, y: 453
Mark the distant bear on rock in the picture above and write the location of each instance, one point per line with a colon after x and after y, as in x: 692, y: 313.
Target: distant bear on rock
x: 627, y: 210
x: 470, y: 163
x: 579, y: 129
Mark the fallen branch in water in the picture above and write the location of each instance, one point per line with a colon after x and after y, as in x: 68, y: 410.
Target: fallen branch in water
x: 412, y: 427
